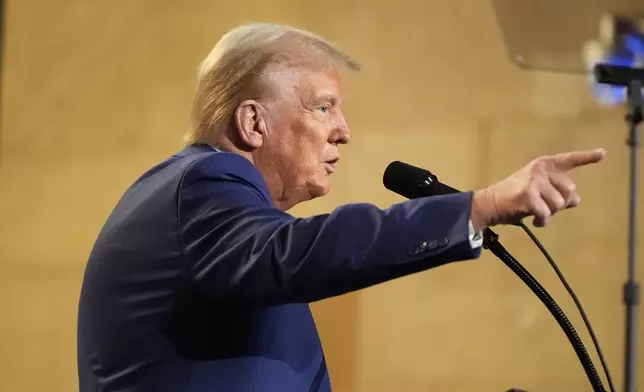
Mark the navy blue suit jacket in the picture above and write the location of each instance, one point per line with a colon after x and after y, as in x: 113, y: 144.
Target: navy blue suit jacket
x: 197, y: 283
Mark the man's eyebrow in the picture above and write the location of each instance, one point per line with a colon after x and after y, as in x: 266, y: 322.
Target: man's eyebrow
x: 331, y: 98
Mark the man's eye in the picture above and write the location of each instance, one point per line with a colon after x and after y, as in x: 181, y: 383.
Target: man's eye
x: 324, y: 108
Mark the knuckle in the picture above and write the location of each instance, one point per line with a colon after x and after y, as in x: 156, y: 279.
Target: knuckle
x: 546, y: 211
x: 538, y: 166
x: 531, y: 195
x: 572, y: 187
x: 560, y: 203
x: 540, y: 209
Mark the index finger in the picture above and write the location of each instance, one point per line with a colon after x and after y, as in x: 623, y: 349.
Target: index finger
x: 569, y: 160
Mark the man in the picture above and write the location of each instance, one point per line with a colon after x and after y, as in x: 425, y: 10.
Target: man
x: 200, y: 281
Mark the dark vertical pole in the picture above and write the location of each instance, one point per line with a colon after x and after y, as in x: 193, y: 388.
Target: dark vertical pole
x: 632, y: 287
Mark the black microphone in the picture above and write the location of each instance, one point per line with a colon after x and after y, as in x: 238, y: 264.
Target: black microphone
x: 413, y: 182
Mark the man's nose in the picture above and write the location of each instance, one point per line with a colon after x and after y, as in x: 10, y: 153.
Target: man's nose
x: 341, y: 134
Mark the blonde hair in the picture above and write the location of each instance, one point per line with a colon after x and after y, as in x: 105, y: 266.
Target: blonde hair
x: 231, y: 72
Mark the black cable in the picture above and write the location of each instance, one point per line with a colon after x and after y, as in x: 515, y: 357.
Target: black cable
x: 421, y: 183
x: 491, y: 242
x: 575, y: 299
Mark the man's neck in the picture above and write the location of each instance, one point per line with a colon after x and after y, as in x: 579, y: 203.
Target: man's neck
x: 279, y: 197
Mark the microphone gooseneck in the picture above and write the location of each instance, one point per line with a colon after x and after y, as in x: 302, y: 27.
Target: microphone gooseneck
x: 413, y: 182
x: 573, y: 337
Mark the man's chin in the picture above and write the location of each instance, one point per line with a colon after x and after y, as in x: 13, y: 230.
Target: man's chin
x: 319, y: 189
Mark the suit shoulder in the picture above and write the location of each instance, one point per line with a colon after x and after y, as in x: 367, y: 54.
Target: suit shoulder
x: 225, y: 167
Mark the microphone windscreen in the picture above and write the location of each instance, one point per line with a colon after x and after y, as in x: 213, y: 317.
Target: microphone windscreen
x: 413, y: 182
x: 406, y: 180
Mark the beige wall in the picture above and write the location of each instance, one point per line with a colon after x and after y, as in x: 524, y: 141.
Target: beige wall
x: 96, y: 92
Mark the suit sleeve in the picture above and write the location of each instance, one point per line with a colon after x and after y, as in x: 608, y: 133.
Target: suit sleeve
x: 241, y: 250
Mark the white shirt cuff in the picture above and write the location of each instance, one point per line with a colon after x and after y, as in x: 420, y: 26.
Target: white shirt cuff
x: 476, y: 239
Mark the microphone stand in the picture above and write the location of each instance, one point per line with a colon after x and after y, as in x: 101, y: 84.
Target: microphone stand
x: 631, y: 287
x: 491, y: 242
x: 422, y: 183
x: 633, y: 79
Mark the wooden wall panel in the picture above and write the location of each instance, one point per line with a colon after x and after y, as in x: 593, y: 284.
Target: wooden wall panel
x: 96, y: 92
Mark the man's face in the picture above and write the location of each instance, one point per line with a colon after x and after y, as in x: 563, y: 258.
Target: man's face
x: 305, y: 126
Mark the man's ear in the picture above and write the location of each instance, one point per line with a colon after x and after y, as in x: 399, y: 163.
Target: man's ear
x: 250, y: 123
